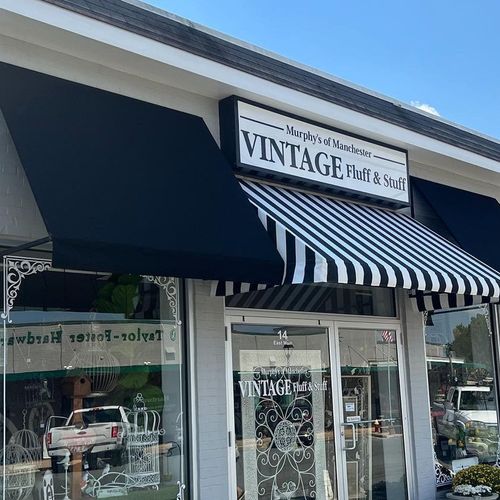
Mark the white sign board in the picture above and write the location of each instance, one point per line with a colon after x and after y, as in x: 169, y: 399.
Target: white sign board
x: 293, y: 148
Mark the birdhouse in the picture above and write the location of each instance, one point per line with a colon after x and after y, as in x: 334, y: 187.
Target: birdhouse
x: 76, y: 387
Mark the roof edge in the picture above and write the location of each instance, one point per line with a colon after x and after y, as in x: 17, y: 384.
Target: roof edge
x: 310, y: 69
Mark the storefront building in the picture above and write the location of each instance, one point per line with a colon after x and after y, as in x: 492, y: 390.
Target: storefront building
x: 229, y: 276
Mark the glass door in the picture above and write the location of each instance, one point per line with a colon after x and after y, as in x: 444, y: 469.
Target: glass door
x: 281, y: 383
x: 371, y: 416
x: 317, y: 410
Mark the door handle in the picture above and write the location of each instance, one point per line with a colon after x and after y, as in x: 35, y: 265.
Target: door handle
x: 180, y: 494
x: 354, y: 440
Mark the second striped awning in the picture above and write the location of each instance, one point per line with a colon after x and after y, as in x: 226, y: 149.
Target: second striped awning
x: 326, y: 240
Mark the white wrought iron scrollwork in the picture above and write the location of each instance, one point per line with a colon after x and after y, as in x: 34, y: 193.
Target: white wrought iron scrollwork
x: 285, y: 442
x: 169, y: 286
x: 15, y: 270
x: 444, y: 476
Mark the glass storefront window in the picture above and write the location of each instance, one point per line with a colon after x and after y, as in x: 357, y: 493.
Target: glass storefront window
x: 320, y: 298
x: 462, y: 387
x: 94, y: 388
x: 371, y: 402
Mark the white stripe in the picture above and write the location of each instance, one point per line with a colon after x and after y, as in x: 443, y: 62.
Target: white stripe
x: 281, y: 245
x: 213, y: 288
x: 428, y: 303
x: 300, y: 261
x: 320, y: 269
x: 444, y: 301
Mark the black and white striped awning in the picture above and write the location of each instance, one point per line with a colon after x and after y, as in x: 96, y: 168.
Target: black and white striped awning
x: 433, y: 301
x: 326, y: 240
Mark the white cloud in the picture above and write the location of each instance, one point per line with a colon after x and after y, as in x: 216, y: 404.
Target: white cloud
x: 425, y: 107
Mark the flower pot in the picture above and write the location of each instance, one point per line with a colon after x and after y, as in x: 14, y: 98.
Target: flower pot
x: 452, y: 496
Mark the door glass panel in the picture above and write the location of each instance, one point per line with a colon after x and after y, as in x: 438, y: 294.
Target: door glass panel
x: 283, y: 413
x: 372, y: 417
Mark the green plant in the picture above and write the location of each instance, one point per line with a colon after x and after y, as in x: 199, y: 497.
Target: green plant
x: 119, y: 295
x: 484, y: 474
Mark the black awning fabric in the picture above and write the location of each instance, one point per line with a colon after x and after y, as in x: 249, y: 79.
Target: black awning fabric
x: 128, y: 186
x: 472, y: 220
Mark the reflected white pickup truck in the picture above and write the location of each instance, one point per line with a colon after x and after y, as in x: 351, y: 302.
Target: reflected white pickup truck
x: 90, y: 430
x: 470, y: 412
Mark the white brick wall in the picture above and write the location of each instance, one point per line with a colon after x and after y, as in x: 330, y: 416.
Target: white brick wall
x: 211, y: 420
x: 20, y: 219
x: 419, y: 407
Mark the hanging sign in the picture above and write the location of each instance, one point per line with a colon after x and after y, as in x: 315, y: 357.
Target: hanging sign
x: 262, y: 141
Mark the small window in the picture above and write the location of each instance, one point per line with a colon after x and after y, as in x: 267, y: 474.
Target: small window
x: 320, y: 298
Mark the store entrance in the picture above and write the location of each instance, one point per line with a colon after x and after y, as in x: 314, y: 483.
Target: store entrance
x: 317, y: 410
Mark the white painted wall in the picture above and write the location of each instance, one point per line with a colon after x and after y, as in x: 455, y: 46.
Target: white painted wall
x: 20, y: 219
x: 419, y: 443
x: 210, y: 393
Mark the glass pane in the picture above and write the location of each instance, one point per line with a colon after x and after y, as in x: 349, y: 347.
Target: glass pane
x: 94, y: 387
x: 320, y: 298
x: 462, y: 387
x: 371, y: 406
x: 283, y: 413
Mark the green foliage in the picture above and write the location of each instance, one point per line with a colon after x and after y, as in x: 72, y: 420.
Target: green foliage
x: 484, y: 474
x: 473, y: 342
x: 119, y: 295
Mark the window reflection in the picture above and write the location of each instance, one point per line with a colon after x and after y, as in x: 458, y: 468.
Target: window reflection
x: 94, y: 388
x: 462, y: 389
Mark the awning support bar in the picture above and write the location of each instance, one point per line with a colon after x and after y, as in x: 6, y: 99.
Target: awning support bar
x: 25, y: 246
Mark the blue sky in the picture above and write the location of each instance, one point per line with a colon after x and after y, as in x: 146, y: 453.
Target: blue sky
x: 445, y: 53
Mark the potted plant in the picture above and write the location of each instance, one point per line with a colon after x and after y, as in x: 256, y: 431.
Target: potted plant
x: 478, y: 481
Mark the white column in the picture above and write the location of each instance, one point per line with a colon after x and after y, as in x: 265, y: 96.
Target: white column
x: 419, y: 442
x: 211, y: 420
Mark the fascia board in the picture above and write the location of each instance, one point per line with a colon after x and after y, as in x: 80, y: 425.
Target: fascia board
x: 224, y: 77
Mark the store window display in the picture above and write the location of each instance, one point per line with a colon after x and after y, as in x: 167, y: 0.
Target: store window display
x: 94, y: 380
x: 462, y: 387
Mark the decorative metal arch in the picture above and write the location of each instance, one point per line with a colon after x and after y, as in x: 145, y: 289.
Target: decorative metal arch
x: 168, y: 285
x: 15, y: 269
